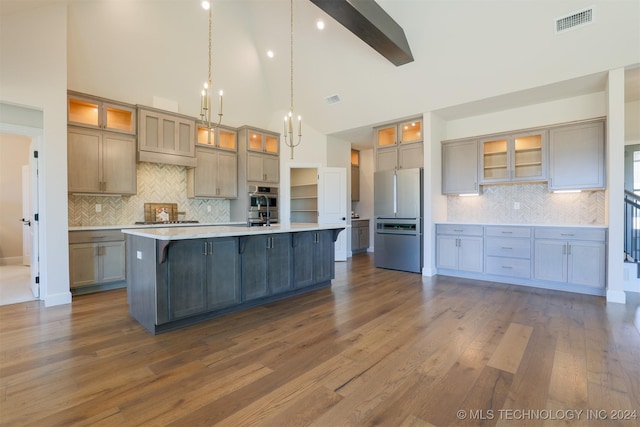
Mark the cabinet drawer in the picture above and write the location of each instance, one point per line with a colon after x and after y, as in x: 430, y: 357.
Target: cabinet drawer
x: 95, y: 236
x: 359, y: 222
x: 596, y: 234
x: 513, y: 267
x: 508, y: 247
x: 459, y: 230
x: 508, y: 231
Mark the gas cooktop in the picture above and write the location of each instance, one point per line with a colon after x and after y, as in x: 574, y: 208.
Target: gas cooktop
x: 184, y: 221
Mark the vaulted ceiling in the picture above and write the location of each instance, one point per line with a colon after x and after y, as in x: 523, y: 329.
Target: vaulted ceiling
x: 470, y: 57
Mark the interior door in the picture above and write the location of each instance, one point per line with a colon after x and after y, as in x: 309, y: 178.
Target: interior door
x: 332, y: 204
x: 26, y: 216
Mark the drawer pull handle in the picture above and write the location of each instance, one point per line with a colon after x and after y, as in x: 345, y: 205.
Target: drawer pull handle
x: 458, y: 231
x: 566, y: 234
x: 507, y: 232
x: 507, y: 267
x: 506, y: 247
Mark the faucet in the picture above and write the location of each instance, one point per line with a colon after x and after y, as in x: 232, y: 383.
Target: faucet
x: 266, y: 199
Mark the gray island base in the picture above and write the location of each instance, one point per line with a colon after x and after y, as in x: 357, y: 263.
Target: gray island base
x: 179, y: 276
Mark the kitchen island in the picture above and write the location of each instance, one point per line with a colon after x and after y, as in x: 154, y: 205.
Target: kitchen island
x: 177, y: 276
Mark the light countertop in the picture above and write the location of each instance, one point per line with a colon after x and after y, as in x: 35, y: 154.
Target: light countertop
x: 519, y: 225
x: 204, y: 232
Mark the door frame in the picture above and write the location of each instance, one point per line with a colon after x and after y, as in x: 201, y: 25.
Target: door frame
x: 36, y: 135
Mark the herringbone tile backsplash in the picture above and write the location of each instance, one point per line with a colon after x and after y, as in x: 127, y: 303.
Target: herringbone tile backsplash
x: 537, y: 206
x: 157, y: 183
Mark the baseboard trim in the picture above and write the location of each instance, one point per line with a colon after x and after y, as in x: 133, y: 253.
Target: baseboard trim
x: 618, y: 297
x: 57, y: 299
x: 12, y: 260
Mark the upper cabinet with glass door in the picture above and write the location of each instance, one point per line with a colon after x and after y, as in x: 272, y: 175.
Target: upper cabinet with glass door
x: 399, y: 133
x: 399, y: 145
x: 219, y: 137
x: 98, y: 113
x: 263, y: 142
x: 514, y: 157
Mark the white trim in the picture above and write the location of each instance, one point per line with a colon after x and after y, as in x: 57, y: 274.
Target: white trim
x: 616, y: 296
x: 57, y: 299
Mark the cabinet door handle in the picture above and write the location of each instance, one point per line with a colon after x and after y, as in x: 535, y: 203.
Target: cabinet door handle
x: 210, y: 248
x: 568, y: 248
x: 564, y: 249
x: 204, y: 249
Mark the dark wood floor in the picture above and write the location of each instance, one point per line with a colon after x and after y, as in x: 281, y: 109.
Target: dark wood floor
x: 377, y: 348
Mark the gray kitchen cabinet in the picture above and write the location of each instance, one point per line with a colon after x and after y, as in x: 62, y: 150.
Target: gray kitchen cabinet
x: 460, y: 167
x: 399, y: 145
x: 514, y: 157
x: 99, y: 113
x: 508, y: 251
x: 100, y: 162
x: 355, y: 175
x: 576, y: 157
x: 220, y: 137
x: 263, y: 168
x: 96, y: 258
x: 313, y: 257
x: 165, y: 137
x: 202, y: 275
x: 359, y: 235
x: 570, y: 255
x: 215, y: 176
x: 459, y: 247
x: 265, y: 265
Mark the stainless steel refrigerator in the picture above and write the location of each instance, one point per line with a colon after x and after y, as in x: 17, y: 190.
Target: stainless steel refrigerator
x: 397, y: 209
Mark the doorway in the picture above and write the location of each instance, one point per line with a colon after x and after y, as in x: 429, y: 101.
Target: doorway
x: 18, y: 230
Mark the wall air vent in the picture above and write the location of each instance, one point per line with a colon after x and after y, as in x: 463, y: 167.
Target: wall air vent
x: 333, y: 99
x: 575, y: 20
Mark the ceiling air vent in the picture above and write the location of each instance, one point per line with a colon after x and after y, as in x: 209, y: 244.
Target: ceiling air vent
x: 575, y: 20
x: 333, y: 99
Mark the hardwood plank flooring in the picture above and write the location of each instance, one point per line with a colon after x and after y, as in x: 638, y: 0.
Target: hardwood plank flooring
x: 379, y: 347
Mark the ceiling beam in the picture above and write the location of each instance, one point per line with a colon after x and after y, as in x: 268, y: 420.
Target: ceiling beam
x: 367, y: 20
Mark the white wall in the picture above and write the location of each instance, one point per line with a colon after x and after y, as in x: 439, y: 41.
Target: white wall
x: 547, y: 113
x: 35, y: 45
x: 632, y: 122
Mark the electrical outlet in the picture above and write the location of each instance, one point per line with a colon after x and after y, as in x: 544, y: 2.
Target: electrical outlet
x: 208, y: 208
x: 139, y: 254
x: 98, y: 207
x: 516, y: 205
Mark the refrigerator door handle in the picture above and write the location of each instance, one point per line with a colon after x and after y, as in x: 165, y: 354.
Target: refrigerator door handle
x: 395, y: 194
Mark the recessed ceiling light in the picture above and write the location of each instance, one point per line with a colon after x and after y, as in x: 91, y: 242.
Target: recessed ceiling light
x: 270, y: 54
x: 320, y: 24
x: 206, y: 5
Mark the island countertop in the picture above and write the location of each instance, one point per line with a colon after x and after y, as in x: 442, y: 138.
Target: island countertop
x: 184, y: 233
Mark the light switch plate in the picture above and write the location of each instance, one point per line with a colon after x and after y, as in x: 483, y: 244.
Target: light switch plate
x: 98, y: 207
x: 139, y: 254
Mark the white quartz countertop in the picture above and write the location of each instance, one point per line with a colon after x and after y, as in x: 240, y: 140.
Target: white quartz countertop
x: 183, y: 233
x: 132, y: 226
x: 489, y: 224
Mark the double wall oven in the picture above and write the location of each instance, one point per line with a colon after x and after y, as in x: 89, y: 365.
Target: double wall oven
x: 263, y: 205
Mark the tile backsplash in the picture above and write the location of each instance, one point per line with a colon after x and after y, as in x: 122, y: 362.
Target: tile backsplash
x: 157, y: 183
x: 537, y: 205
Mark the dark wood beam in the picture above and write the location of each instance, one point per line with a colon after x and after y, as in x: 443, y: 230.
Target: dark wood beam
x: 367, y: 20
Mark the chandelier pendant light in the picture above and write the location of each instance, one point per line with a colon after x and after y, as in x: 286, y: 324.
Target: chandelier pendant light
x: 205, y: 98
x: 289, y: 138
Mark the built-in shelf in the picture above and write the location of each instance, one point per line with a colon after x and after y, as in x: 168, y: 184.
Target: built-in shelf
x: 304, y: 195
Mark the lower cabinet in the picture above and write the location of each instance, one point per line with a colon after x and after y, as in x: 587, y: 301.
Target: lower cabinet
x: 572, y: 256
x: 96, y: 258
x: 313, y: 258
x: 359, y: 235
x: 508, y: 251
x: 459, y: 247
x: 265, y: 265
x: 202, y: 275
x: 563, y: 258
